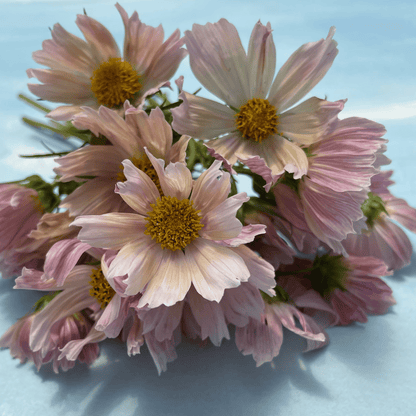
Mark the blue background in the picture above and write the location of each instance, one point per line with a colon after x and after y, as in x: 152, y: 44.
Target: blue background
x: 367, y: 369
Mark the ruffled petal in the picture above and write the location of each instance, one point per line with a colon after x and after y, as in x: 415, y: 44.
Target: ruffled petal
x: 175, y: 180
x: 96, y: 196
x: 170, y: 281
x: 211, y: 188
x: 302, y: 71
x: 310, y: 121
x: 216, y: 268
x: 202, y: 118
x: 261, y: 59
x: 111, y: 231
x: 139, y: 191
x: 98, y: 37
x: 218, y: 61
x: 221, y: 222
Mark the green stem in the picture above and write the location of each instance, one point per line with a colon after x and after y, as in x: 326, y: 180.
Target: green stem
x: 34, y: 103
x: 38, y: 156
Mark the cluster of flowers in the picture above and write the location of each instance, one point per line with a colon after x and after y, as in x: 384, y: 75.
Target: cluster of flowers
x: 143, y: 235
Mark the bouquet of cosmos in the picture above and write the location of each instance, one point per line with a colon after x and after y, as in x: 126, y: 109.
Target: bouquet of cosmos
x: 143, y: 235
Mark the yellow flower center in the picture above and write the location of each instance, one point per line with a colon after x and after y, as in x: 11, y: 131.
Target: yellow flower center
x: 114, y: 82
x: 144, y: 164
x: 101, y: 290
x: 173, y: 223
x: 257, y: 119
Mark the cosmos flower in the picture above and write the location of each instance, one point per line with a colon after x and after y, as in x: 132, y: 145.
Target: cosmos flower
x: 174, y: 239
x: 128, y: 137
x: 94, y: 72
x: 351, y: 285
x: 20, y: 212
x: 256, y: 124
x: 384, y: 239
x: 327, y: 202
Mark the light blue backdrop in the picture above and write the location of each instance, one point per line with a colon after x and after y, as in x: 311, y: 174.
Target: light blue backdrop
x: 367, y: 369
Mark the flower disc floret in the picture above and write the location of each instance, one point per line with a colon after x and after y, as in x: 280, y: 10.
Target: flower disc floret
x: 101, y: 290
x: 143, y: 163
x: 114, y: 82
x: 257, y: 119
x: 173, y: 223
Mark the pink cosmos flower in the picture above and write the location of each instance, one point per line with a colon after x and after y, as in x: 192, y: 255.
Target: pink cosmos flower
x: 93, y: 72
x: 256, y: 124
x: 262, y: 338
x: 128, y: 137
x: 64, y: 330
x: 384, y: 239
x: 327, y: 202
x: 51, y: 228
x: 20, y: 212
x: 351, y: 285
x: 174, y: 239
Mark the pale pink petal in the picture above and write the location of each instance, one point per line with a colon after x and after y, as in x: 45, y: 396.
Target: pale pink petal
x: 64, y: 52
x: 219, y: 62
x: 170, y: 280
x: 99, y: 38
x: 210, y: 318
x: 261, y: 58
x: 161, y: 352
x: 139, y: 191
x: 310, y: 121
x: 154, y: 131
x: 262, y: 273
x: 401, y: 212
x: 135, y: 337
x: 96, y: 196
x: 114, y: 316
x: 286, y: 314
x: 177, y: 152
x: 140, y: 40
x: 175, y: 180
x: 61, y: 86
x: 73, y: 349
x: 202, y: 118
x: 162, y: 320
x: 279, y: 155
x: 62, y: 257
x: 221, y: 223
x: 331, y: 215
x: 302, y: 71
x: 64, y: 112
x: 32, y: 279
x: 217, y: 268
x: 247, y: 235
x: 139, y: 260
x: 165, y: 63
x: 242, y: 303
x: 111, y: 125
x: 262, y: 341
x: 89, y: 161
x: 315, y: 328
x: 64, y: 304
x: 224, y: 148
x: 113, y: 230
x: 211, y: 188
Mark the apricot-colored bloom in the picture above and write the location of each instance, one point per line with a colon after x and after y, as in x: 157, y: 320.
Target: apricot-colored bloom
x: 94, y: 72
x: 256, y: 124
x: 128, y: 137
x: 384, y: 239
x: 174, y: 239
